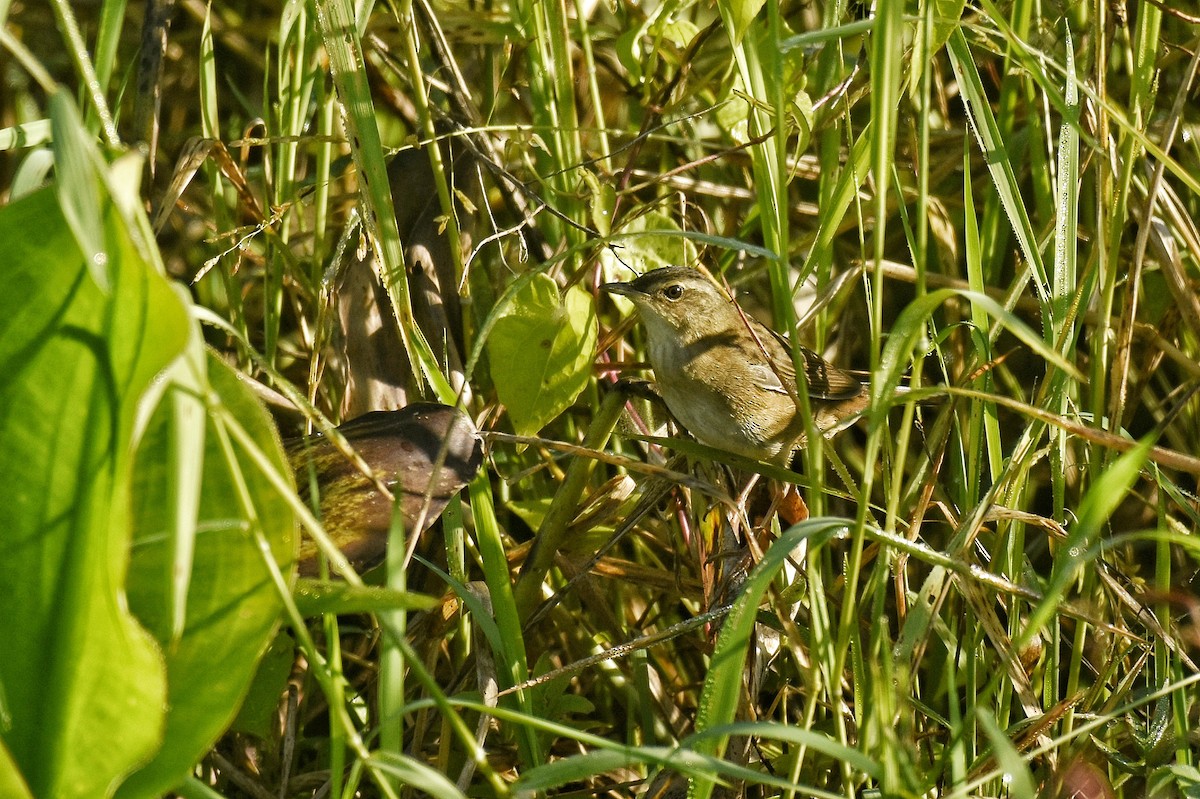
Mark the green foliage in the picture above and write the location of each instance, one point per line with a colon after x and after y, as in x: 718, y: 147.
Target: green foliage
x: 231, y: 604
x: 992, y: 205
x: 137, y: 523
x: 721, y: 695
x: 647, y: 241
x: 84, y: 685
x: 540, y: 351
x: 258, y: 712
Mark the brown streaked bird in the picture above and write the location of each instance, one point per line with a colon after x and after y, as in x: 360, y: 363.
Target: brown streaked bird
x: 729, y: 380
x: 424, y: 454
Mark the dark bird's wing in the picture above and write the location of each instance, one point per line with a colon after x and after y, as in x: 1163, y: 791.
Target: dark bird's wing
x: 826, y: 381
x: 773, y: 363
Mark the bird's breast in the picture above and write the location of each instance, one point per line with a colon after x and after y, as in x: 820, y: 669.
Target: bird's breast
x: 711, y: 390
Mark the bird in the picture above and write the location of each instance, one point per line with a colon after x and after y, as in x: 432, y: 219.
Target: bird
x: 729, y: 380
x: 424, y: 454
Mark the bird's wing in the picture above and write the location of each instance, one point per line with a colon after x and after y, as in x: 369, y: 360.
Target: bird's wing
x: 826, y: 381
x: 778, y: 373
x: 771, y: 363
x: 765, y: 377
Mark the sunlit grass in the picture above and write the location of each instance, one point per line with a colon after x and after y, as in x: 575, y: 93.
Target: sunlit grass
x: 996, y: 589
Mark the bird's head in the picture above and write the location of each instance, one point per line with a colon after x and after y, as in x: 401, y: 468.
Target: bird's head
x: 678, y: 302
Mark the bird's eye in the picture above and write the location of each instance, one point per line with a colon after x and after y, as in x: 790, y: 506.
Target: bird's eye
x: 673, y: 292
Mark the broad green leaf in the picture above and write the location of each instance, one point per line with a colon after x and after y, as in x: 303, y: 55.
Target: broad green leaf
x: 32, y: 172
x: 738, y: 14
x: 259, y: 713
x: 803, y: 114
x: 607, y: 757
x: 531, y: 511
x: 232, y: 604
x: 578, y: 541
x: 679, y: 31
x: 815, y: 740
x: 646, y: 242
x: 553, y: 699
x: 628, y: 50
x: 11, y: 784
x: 603, y: 201
x: 541, y: 351
x: 579, y: 768
x: 84, y: 684
x: 1182, y: 777
x: 733, y: 116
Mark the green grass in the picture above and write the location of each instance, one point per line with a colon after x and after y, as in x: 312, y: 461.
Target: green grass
x: 998, y: 588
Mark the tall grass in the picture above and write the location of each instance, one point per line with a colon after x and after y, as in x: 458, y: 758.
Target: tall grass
x: 992, y: 204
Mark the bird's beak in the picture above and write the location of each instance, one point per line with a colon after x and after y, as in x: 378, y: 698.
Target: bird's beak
x: 624, y: 289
